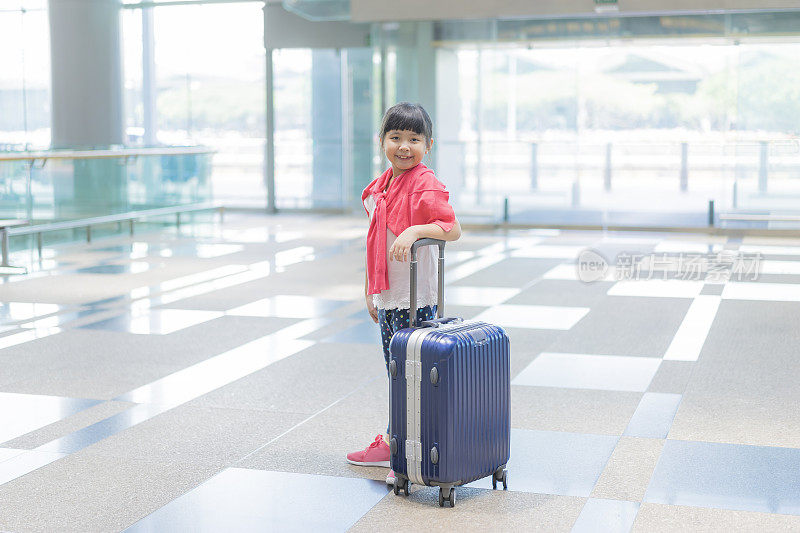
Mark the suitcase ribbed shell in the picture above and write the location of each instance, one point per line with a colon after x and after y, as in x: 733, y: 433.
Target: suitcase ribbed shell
x: 466, y: 415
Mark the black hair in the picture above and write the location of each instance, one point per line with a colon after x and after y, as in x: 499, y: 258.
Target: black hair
x: 406, y: 116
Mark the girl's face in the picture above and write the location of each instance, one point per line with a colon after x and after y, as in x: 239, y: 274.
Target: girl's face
x: 404, y: 149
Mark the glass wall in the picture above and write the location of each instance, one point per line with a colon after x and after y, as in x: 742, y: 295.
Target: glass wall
x: 293, y: 134
x: 617, y: 121
x: 65, y: 187
x: 564, y: 127
x: 24, y: 76
x: 209, y: 72
x: 324, y: 126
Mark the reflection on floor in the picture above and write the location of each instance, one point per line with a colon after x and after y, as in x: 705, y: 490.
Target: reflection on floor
x: 215, y: 380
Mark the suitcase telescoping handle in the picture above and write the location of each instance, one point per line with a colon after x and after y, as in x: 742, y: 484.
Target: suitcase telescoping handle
x: 440, y: 293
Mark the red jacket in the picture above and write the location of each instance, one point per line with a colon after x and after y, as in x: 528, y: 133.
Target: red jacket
x: 415, y: 197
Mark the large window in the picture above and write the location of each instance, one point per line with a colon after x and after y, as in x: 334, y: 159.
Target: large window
x: 293, y: 133
x: 24, y: 76
x: 638, y: 132
x: 209, y: 72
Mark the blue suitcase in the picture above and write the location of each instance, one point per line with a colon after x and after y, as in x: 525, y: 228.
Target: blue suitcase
x: 450, y: 396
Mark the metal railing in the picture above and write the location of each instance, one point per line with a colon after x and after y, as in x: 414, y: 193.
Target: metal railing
x: 122, y: 153
x: 18, y: 227
x: 760, y: 217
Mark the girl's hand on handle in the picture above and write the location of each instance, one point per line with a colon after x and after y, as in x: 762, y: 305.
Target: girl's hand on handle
x: 373, y: 313
x: 401, y: 249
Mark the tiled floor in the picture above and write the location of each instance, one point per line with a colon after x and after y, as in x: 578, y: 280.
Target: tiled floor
x: 214, y: 381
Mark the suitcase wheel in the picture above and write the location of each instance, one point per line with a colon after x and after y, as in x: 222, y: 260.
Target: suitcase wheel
x: 451, y: 497
x: 402, y: 484
x: 500, y: 475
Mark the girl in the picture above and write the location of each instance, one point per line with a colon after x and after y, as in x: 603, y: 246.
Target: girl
x: 405, y: 203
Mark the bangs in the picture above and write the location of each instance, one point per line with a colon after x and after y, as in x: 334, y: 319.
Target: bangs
x: 406, y: 116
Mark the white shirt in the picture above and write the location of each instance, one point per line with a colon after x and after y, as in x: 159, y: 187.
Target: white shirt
x: 397, y: 296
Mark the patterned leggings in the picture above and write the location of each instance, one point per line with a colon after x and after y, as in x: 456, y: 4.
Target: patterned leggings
x: 391, y: 320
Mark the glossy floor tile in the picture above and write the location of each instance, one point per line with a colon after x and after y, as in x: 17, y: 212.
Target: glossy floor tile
x: 199, y: 277
x: 193, y: 381
x: 558, y: 293
x: 85, y: 437
x: 657, y: 288
x: 59, y: 319
x: 727, y: 476
x: 606, y: 516
x: 544, y: 251
x: 582, y: 371
x: 533, y: 316
x: 23, y: 413
x: 8, y: 453
x: 623, y: 325
x: 687, y: 247
x: 659, y: 518
x: 23, y: 463
x: 207, y: 251
x: 713, y: 289
x: 551, y: 462
x: 19, y: 311
x: 770, y: 292
x: 477, y: 510
x: 293, y: 378
x: 288, y: 306
x: 627, y: 473
x: 254, y: 500
x: 483, y: 296
x: 766, y: 249
x: 155, y: 321
x: 569, y: 272
x: 366, y: 332
x: 135, y: 267
x: 572, y: 410
x: 779, y: 267
x: 692, y: 333
x: 654, y: 415
x: 25, y: 336
x: 474, y: 267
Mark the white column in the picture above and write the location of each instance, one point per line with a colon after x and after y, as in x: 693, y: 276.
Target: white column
x: 86, y: 66
x: 149, y: 78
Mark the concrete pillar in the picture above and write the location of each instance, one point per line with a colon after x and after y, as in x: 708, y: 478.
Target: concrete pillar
x: 86, y: 68
x: 269, y: 144
x: 149, y: 78
x: 87, y: 106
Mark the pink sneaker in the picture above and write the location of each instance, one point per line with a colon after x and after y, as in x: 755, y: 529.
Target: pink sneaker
x: 376, y: 454
x: 390, y: 478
